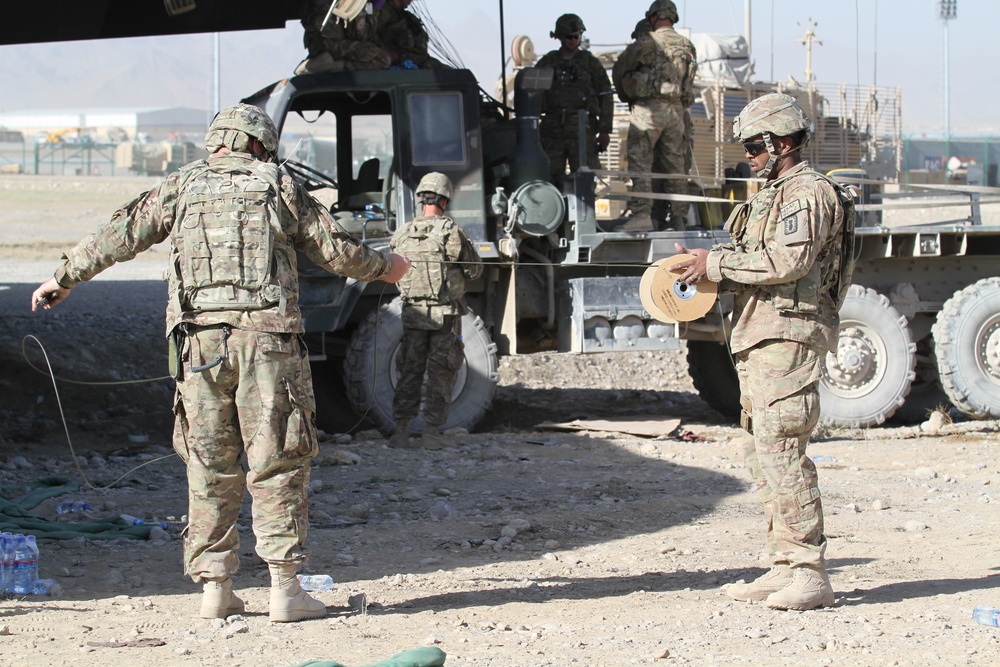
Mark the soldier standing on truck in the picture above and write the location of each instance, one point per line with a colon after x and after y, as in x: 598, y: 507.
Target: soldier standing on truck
x: 433, y: 295
x: 580, y: 82
x: 235, y: 222
x: 404, y: 37
x: 789, y: 265
x: 655, y: 75
x: 335, y: 47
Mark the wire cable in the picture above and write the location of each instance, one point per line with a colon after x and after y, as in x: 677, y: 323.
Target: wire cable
x: 62, y: 413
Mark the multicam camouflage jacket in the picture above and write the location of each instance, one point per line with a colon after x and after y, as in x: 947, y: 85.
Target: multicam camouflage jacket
x: 784, y: 261
x: 580, y: 82
x: 443, y: 259
x: 661, y: 64
x: 150, y: 218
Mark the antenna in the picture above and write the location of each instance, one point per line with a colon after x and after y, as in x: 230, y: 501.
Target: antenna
x: 808, y: 40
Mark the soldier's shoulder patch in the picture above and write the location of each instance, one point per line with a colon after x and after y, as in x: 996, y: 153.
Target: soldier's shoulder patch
x: 793, y: 222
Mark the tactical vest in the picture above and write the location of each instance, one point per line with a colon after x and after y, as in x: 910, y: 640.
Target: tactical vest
x: 832, y: 279
x: 571, y: 86
x: 224, y: 240
x: 423, y: 242
x: 663, y: 79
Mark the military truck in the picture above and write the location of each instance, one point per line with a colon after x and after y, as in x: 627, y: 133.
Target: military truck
x: 558, y: 278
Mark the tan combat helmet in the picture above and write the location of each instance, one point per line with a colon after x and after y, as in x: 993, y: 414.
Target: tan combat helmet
x: 664, y: 9
x: 435, y: 183
x: 248, y: 119
x: 774, y: 114
x: 567, y: 24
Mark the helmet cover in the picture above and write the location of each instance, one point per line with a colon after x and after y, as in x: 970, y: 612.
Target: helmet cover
x: 248, y: 119
x: 665, y: 9
x: 567, y: 24
x: 437, y: 183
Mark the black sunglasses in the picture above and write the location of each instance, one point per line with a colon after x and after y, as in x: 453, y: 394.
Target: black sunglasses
x: 575, y: 35
x: 754, y: 148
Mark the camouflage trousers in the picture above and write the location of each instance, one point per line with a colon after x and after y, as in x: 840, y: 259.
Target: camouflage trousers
x: 561, y: 143
x: 257, y: 403
x: 656, y: 142
x: 661, y: 207
x: 438, y: 353
x: 779, y: 388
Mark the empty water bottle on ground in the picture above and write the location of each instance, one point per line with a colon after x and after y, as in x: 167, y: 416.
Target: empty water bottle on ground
x: 72, y: 507
x: 822, y: 458
x: 315, y: 582
x: 986, y: 616
x: 135, y: 521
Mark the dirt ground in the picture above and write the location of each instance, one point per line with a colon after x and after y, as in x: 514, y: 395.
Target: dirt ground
x: 518, y: 547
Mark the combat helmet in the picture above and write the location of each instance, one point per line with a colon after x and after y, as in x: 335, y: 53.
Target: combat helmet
x: 436, y: 183
x: 244, y: 118
x: 773, y: 115
x: 665, y: 9
x: 567, y: 24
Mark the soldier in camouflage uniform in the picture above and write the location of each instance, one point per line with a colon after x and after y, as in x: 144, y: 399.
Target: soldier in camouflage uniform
x: 789, y: 267
x: 404, y: 37
x: 336, y: 47
x: 655, y: 75
x: 580, y: 82
x: 433, y: 295
x: 235, y: 222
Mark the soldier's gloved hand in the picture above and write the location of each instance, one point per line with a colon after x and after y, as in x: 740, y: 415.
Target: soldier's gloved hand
x: 400, y: 265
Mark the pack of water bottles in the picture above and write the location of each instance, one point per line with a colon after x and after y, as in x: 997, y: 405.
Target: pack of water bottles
x: 19, y: 566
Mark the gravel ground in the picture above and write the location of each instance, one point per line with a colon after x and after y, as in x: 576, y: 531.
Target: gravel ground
x: 517, y: 547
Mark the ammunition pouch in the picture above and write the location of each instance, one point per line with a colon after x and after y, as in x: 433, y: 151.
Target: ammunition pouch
x: 175, y: 352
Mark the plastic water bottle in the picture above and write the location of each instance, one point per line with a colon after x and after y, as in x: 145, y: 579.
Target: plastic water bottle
x: 315, y: 582
x: 6, y: 560
x: 72, y: 507
x: 822, y: 458
x: 134, y: 521
x: 986, y: 616
x: 25, y: 565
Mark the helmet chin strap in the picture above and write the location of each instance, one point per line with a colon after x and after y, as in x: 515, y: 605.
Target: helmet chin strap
x: 772, y: 156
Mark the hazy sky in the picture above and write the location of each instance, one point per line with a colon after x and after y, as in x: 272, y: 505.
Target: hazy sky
x: 887, y: 42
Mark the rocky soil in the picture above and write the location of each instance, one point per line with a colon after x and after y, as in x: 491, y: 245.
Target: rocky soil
x: 515, y: 548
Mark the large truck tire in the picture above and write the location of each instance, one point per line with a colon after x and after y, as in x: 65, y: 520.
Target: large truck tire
x: 714, y: 376
x: 866, y: 379
x: 370, y: 370
x: 967, y: 342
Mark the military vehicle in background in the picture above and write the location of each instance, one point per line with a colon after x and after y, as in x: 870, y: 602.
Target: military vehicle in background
x: 559, y: 278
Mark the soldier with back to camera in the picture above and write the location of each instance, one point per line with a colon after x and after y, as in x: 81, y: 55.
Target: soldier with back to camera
x: 655, y: 76
x: 244, y: 391
x: 433, y: 295
x: 580, y: 82
x: 790, y: 265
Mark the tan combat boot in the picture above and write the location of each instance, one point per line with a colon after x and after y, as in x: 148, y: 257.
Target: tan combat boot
x: 810, y: 588
x: 400, y: 438
x: 218, y: 601
x: 288, y: 601
x: 637, y: 222
x: 433, y: 438
x: 772, y: 581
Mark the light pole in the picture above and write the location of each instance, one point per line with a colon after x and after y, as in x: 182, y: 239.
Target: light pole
x: 947, y: 10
